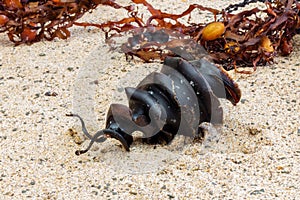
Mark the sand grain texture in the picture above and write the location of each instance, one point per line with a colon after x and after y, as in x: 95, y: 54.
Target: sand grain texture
x: 257, y: 155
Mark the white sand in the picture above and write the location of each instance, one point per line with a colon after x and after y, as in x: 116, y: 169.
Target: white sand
x: 257, y: 156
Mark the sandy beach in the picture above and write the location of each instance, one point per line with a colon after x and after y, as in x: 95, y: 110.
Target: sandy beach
x: 254, y: 155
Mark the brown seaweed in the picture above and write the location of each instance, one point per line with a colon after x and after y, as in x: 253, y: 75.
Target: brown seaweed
x: 248, y: 38
x: 30, y: 21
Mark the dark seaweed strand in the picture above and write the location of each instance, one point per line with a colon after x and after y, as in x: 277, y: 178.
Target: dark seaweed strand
x: 84, y: 130
x: 96, y: 138
x: 99, y: 136
x: 234, y: 7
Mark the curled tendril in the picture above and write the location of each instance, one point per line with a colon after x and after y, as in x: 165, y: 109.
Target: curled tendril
x: 99, y: 137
